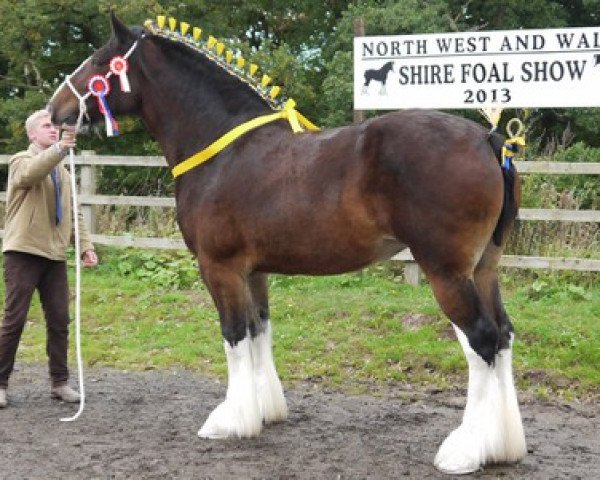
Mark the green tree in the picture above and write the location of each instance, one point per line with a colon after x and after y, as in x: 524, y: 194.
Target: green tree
x: 306, y: 46
x: 43, y: 41
x: 380, y: 18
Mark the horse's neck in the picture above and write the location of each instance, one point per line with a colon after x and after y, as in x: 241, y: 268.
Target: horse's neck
x: 189, y: 103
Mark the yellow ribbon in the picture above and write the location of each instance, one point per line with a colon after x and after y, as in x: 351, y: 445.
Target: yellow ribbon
x: 289, y: 113
x: 517, y: 144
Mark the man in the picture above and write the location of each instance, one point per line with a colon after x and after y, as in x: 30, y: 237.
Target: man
x: 37, y: 231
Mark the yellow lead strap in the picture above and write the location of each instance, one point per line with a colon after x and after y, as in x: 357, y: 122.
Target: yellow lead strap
x: 288, y: 112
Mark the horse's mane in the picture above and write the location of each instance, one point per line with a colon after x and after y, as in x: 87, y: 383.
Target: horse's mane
x: 216, y: 52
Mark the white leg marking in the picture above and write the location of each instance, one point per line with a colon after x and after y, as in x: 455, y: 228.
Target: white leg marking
x: 271, y: 402
x: 239, y: 415
x: 515, y: 447
x: 491, y: 430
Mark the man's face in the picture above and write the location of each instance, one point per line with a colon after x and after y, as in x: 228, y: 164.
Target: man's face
x: 43, y: 133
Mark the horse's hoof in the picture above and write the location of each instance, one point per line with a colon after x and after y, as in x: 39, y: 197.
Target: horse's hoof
x: 231, y: 421
x: 459, y: 454
x: 212, y: 432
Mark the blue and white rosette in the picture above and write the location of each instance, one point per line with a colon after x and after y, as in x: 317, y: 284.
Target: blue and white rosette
x: 99, y: 87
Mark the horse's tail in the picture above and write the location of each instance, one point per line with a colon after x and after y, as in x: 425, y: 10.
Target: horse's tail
x: 510, y: 208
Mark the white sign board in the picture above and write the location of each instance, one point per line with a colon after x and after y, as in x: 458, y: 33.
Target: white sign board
x: 516, y: 68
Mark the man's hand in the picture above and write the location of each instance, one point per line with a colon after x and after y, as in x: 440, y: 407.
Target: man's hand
x: 68, y: 138
x: 90, y: 259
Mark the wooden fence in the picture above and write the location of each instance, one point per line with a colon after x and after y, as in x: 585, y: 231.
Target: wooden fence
x: 88, y: 162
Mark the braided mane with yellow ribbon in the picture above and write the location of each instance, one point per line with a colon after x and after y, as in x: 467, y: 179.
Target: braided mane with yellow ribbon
x: 215, y: 51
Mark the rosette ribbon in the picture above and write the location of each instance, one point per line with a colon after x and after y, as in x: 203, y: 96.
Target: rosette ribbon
x: 100, y: 88
x: 119, y: 66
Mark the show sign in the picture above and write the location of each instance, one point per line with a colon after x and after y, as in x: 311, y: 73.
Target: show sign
x: 515, y: 68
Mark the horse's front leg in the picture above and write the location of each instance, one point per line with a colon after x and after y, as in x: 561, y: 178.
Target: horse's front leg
x: 383, y: 90
x: 271, y: 402
x: 239, y: 414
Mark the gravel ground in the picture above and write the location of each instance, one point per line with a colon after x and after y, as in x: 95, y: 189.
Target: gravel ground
x: 144, y: 425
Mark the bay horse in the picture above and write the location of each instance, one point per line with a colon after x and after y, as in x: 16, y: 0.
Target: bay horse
x: 379, y: 75
x: 325, y: 202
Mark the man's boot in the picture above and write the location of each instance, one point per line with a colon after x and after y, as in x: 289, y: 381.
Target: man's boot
x: 65, y: 393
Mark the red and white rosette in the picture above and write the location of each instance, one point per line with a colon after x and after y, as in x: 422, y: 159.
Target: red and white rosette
x: 119, y: 66
x: 99, y: 87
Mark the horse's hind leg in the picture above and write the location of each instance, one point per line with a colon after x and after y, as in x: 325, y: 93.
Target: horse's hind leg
x: 239, y: 414
x: 484, y: 435
x: 468, y: 447
x: 271, y: 402
x: 486, y: 279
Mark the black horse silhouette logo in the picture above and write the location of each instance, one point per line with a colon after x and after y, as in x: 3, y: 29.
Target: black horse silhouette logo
x: 380, y: 75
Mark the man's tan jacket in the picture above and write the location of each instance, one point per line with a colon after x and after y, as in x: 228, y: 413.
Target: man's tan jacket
x: 30, y: 224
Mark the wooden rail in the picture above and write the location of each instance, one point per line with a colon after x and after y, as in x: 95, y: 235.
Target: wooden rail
x: 88, y: 162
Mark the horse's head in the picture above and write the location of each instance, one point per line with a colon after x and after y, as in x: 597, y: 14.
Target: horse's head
x: 388, y: 67
x: 100, y: 74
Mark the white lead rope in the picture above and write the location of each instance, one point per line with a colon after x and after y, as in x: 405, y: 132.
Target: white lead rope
x: 82, y: 111
x: 77, y: 291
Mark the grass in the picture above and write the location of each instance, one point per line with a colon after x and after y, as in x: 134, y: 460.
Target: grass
x: 356, y: 332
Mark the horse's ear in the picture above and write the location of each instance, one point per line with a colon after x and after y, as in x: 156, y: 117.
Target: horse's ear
x: 120, y: 30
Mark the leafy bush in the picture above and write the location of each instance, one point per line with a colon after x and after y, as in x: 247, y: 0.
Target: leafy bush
x: 176, y: 270
x: 549, y: 288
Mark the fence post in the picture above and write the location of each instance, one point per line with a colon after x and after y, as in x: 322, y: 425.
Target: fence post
x: 88, y: 187
x: 359, y: 31
x: 412, y: 273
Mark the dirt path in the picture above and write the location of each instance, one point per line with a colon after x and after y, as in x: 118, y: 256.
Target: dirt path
x: 143, y: 426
